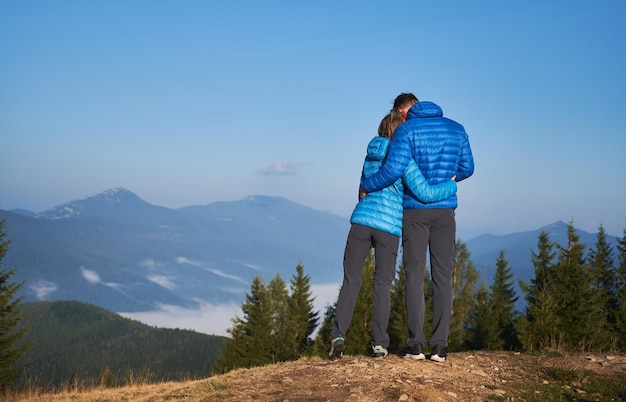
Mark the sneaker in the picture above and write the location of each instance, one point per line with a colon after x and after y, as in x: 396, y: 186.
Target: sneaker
x: 438, y: 353
x: 337, y: 346
x: 415, y: 352
x: 379, y: 352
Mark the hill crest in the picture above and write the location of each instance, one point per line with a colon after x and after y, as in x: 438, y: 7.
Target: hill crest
x: 467, y: 376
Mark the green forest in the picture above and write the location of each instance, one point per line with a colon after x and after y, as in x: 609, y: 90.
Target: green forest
x: 575, y: 302
x: 73, y: 342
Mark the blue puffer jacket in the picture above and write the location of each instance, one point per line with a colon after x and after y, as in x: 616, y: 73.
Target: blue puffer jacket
x: 383, y: 209
x: 439, y: 145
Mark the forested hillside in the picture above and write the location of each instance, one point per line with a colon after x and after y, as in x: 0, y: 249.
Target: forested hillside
x: 78, y: 342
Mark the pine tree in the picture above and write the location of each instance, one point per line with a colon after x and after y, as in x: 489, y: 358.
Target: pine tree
x: 465, y: 278
x: 570, y: 283
x: 12, y: 335
x: 502, y: 299
x: 620, y: 287
x: 482, y: 327
x: 279, y: 341
x: 538, y: 327
x: 302, y: 320
x: 542, y: 260
x: 603, y: 273
x: 322, y: 340
x: 249, y: 343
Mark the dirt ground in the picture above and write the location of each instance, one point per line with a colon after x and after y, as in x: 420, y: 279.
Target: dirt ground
x: 467, y: 376
x: 477, y: 376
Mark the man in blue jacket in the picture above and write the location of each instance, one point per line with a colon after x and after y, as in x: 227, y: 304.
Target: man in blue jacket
x: 441, y: 148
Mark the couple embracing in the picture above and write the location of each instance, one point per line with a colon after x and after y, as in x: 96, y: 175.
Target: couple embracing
x: 408, y: 190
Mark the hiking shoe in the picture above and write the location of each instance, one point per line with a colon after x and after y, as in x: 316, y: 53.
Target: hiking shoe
x: 379, y: 352
x: 337, y: 346
x: 415, y: 352
x: 438, y: 353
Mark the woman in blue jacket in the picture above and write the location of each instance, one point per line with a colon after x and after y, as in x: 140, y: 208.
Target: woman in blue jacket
x: 377, y: 222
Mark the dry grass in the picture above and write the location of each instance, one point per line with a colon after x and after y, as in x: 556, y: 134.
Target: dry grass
x: 211, y: 389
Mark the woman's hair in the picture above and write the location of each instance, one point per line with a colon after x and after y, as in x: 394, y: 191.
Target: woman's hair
x: 389, y: 123
x: 404, y: 99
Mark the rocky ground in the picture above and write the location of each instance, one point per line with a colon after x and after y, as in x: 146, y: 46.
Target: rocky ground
x: 475, y: 376
x: 467, y: 376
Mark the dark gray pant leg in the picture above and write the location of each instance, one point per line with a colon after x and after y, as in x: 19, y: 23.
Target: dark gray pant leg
x: 442, y: 259
x: 357, y: 249
x: 414, y: 246
x: 386, y: 253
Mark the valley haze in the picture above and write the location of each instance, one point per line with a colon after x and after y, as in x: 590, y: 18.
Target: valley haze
x: 191, y: 267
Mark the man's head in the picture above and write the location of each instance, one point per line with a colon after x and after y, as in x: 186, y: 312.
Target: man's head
x: 403, y: 103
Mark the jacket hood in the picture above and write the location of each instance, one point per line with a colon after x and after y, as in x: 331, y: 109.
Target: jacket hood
x: 377, y: 149
x: 425, y: 109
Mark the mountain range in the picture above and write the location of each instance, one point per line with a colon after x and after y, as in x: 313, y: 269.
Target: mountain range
x: 119, y: 252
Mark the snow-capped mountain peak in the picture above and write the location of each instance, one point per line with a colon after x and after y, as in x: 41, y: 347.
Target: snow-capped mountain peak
x: 94, y: 204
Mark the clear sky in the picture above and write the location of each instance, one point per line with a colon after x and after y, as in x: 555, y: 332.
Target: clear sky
x: 191, y: 102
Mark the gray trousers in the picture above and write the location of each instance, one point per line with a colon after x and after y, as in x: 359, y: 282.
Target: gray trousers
x: 360, y: 240
x: 434, y: 230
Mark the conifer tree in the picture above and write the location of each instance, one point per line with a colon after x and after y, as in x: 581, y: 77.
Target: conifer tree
x: 543, y: 261
x: 603, y: 272
x: 482, y: 328
x: 620, y: 286
x: 571, y: 286
x: 249, y: 343
x: 502, y: 300
x: 302, y: 320
x: 322, y: 340
x: 12, y: 335
x: 538, y: 327
x: 279, y: 341
x: 465, y: 278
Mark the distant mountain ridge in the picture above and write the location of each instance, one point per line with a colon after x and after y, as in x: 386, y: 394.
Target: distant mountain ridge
x: 119, y: 252
x: 96, y: 205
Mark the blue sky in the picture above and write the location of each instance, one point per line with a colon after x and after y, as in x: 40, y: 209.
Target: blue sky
x: 191, y: 102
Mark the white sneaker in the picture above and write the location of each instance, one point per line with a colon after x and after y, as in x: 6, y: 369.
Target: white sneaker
x: 438, y: 354
x: 379, y: 352
x: 415, y: 352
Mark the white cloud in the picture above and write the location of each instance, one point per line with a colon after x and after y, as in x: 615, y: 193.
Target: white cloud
x: 325, y: 295
x: 183, y: 260
x: 243, y: 264
x: 43, y: 288
x: 225, y: 275
x: 208, y: 319
x: 215, y: 319
x: 148, y: 263
x: 91, y: 276
x: 161, y: 280
x: 281, y: 168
